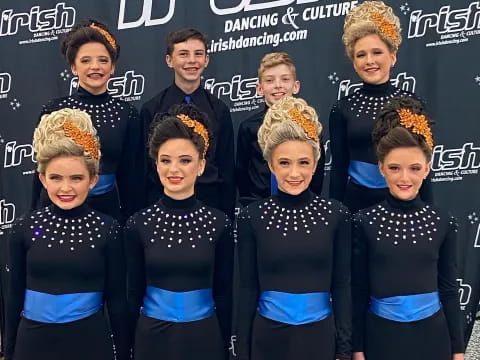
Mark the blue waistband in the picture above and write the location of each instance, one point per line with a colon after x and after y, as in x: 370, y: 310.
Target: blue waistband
x: 178, y: 306
x: 105, y: 183
x: 406, y: 308
x: 273, y: 185
x: 294, y: 309
x: 366, y: 174
x: 48, y: 308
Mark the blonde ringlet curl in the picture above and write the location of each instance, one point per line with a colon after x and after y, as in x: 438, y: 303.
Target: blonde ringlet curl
x: 50, y: 141
x: 279, y: 127
x: 359, y: 23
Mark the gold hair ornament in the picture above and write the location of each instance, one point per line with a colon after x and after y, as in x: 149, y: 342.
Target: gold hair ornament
x: 82, y: 138
x: 307, y: 125
x: 387, y: 28
x: 418, y: 124
x: 198, y: 128
x: 106, y: 35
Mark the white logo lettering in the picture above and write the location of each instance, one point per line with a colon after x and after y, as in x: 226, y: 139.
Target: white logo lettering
x: 402, y: 81
x: 5, y: 82
x: 37, y: 20
x: 14, y: 154
x: 245, y: 5
x: 146, y: 17
x: 7, y: 213
x: 128, y: 85
x: 465, y: 291
x: 445, y: 21
x: 466, y: 157
x: 236, y: 89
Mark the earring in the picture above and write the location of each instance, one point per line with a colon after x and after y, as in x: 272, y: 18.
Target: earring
x: 75, y: 73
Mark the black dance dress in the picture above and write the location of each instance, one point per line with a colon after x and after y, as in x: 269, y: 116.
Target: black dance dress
x: 404, y: 248
x: 354, y: 178
x: 180, y: 247
x: 121, y: 143
x: 59, y: 253
x: 251, y: 169
x: 297, y: 245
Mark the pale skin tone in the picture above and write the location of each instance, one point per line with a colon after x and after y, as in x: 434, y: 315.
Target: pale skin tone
x: 67, y: 181
x: 404, y: 170
x: 188, y: 60
x: 293, y: 164
x: 277, y: 83
x: 178, y: 166
x: 94, y: 67
x: 373, y: 60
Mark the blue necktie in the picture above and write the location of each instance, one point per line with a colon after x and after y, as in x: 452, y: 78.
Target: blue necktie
x: 187, y: 99
x: 273, y: 184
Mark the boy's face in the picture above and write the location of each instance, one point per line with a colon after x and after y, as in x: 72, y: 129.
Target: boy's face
x: 276, y: 83
x: 188, y: 60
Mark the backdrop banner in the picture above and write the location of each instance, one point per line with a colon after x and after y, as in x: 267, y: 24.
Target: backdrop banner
x: 438, y: 60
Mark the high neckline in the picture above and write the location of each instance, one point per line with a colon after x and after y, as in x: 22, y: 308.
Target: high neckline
x: 404, y: 205
x: 378, y: 89
x: 171, y: 203
x: 70, y: 213
x: 85, y: 93
x: 290, y: 200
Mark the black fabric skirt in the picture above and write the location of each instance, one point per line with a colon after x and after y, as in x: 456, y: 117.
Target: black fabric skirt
x: 83, y: 339
x: 158, y: 339
x: 426, y: 339
x: 273, y: 340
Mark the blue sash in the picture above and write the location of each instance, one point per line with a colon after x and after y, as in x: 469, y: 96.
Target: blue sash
x: 294, y: 309
x: 273, y: 185
x: 104, y: 184
x: 406, y: 308
x: 366, y: 174
x: 178, y: 306
x: 48, y: 308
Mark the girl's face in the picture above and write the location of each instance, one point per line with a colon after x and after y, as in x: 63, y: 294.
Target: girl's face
x: 178, y: 166
x: 94, y: 67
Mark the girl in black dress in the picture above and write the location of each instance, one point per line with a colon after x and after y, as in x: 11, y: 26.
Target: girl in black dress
x: 372, y: 36
x: 294, y: 252
x: 92, y: 52
x: 405, y: 291
x: 66, y: 260
x: 180, y: 252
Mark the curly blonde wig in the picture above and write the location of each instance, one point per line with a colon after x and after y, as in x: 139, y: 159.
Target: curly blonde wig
x: 50, y: 141
x: 279, y: 126
x: 360, y: 22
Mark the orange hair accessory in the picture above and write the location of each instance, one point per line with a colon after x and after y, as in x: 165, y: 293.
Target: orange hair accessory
x: 306, y: 124
x: 386, y: 27
x: 197, y: 128
x: 83, y: 138
x: 418, y: 124
x: 106, y: 35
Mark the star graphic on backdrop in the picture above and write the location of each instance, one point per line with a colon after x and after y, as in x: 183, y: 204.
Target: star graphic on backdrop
x: 65, y: 75
x: 405, y: 8
x: 15, y: 104
x: 477, y: 79
x: 473, y: 218
x: 333, y: 77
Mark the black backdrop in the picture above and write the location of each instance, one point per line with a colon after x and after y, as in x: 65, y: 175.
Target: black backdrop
x: 438, y: 60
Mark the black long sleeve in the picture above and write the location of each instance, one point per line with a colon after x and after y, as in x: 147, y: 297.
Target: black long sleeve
x: 405, y: 248
x: 351, y: 123
x: 59, y: 251
x: 120, y: 132
x: 294, y: 244
x: 180, y: 245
